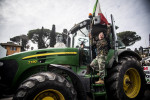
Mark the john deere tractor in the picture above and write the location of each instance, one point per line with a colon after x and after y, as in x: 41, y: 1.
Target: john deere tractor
x: 61, y: 73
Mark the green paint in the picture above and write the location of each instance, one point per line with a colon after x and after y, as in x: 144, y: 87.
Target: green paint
x: 94, y: 9
x: 25, y: 64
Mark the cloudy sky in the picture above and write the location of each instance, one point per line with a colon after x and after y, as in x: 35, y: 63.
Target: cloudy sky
x: 19, y: 16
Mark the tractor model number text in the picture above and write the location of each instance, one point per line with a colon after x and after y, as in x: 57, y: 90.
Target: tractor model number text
x: 32, y: 62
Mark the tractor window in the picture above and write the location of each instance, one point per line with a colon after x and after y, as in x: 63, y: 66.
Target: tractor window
x: 81, y: 38
x: 121, y: 45
x: 81, y: 41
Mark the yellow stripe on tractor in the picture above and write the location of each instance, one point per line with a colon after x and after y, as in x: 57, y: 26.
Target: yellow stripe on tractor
x: 48, y: 54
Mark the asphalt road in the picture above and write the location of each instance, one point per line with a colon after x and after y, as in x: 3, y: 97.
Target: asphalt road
x: 147, y: 96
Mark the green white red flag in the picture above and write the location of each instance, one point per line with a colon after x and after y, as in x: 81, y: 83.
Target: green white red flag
x: 97, y: 12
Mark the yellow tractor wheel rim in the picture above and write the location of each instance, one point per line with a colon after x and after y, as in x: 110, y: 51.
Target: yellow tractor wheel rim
x: 132, y: 83
x: 49, y: 94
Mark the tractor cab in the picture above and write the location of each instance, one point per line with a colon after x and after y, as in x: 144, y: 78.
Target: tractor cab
x: 80, y: 40
x: 81, y: 32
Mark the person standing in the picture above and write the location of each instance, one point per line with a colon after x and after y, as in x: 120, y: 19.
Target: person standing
x: 99, y: 62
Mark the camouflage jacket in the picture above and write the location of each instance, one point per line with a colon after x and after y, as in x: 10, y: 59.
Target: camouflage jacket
x: 102, y: 47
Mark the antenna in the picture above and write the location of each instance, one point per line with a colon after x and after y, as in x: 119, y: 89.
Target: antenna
x: 149, y: 39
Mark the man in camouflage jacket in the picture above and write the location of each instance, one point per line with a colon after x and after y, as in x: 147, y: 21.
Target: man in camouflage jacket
x: 99, y: 62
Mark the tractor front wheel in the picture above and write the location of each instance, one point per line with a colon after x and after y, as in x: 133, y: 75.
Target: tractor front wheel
x: 45, y: 86
x: 126, y: 80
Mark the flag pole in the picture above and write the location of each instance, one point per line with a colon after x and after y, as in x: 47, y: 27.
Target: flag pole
x: 94, y: 9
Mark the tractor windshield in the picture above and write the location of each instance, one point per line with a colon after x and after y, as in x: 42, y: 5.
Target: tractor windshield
x: 81, y: 38
x: 80, y: 34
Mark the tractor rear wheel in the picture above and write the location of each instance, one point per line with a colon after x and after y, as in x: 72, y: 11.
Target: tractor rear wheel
x: 126, y: 80
x: 45, y: 86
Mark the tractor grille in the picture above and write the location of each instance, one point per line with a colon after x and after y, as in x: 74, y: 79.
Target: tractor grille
x: 8, y: 71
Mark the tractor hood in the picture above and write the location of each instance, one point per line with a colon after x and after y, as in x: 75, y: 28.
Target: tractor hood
x: 18, y: 66
x: 65, y: 56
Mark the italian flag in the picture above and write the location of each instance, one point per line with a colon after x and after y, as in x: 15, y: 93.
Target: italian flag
x: 97, y: 12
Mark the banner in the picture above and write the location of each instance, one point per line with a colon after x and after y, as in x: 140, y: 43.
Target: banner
x: 147, y: 72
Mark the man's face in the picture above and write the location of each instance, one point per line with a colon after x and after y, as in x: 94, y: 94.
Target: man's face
x: 101, y: 35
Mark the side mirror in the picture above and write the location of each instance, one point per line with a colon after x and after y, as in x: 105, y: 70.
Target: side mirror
x: 65, y: 31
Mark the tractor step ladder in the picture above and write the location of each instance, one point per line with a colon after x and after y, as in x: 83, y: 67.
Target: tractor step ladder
x: 99, y: 91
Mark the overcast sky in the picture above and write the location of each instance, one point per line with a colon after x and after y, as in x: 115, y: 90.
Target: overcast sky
x: 19, y: 16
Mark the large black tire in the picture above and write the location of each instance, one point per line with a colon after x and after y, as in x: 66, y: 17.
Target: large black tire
x: 46, y: 85
x: 1, y: 95
x: 126, y: 80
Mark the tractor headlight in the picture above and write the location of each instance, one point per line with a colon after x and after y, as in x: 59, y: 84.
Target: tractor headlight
x: 1, y: 64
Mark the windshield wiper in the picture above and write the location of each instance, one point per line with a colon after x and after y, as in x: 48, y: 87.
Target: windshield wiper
x: 81, y: 32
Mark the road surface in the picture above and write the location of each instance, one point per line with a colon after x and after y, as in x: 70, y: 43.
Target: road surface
x: 147, y: 96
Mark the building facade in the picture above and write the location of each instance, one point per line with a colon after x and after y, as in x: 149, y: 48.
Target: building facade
x: 11, y: 48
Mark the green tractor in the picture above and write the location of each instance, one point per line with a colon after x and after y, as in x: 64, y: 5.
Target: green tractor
x: 61, y: 73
